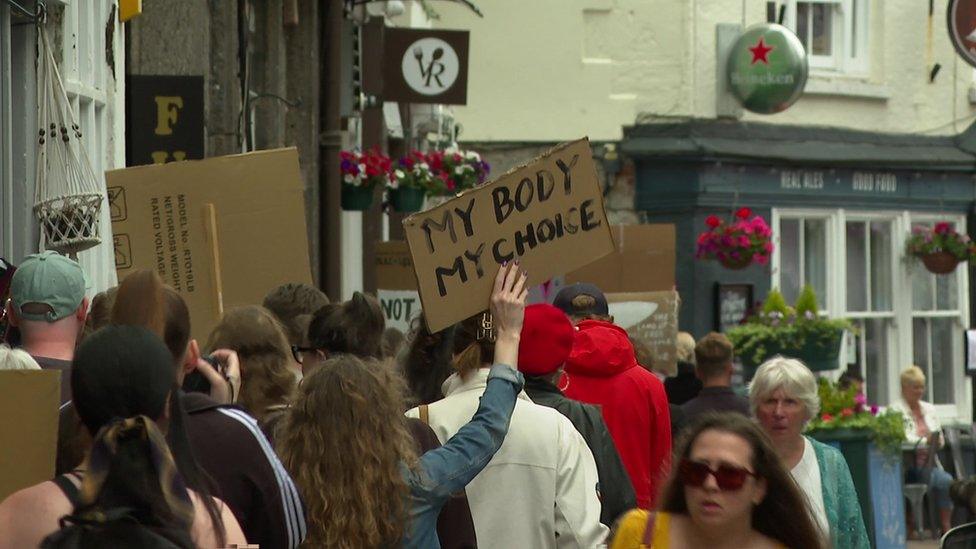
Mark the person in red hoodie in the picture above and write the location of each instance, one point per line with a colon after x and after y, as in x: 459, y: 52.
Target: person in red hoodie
x: 602, y: 369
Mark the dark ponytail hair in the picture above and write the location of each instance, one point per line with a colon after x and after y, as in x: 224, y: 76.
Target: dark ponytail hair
x: 783, y: 514
x: 143, y: 300
x: 428, y: 362
x: 352, y: 327
x: 126, y: 372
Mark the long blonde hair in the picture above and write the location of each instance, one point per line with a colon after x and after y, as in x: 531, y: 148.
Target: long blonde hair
x: 345, y: 441
x: 263, y: 348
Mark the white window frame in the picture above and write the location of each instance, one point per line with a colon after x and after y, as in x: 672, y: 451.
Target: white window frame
x: 899, y: 338
x: 849, y: 35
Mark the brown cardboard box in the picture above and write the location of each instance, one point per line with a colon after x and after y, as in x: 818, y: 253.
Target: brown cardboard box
x: 549, y: 213
x: 28, y: 427
x: 394, y: 266
x: 644, y: 261
x: 221, y: 231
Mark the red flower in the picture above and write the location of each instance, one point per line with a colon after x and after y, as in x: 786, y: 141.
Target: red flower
x: 943, y: 228
x: 743, y: 213
x: 827, y: 417
x: 713, y: 221
x: 847, y: 412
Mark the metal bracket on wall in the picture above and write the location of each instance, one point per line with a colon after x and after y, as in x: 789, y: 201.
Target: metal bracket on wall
x: 32, y: 16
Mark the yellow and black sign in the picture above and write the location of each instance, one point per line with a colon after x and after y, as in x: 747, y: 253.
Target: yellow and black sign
x: 164, y: 119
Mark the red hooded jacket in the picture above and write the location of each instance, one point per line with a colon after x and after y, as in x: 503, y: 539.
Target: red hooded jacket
x: 603, y: 370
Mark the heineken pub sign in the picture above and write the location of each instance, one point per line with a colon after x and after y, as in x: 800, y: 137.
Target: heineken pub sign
x: 767, y: 68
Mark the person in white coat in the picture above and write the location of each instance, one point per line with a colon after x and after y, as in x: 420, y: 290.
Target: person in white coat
x: 541, y: 489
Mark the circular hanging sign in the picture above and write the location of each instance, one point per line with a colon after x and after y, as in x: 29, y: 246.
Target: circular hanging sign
x: 961, y: 18
x: 430, y: 66
x: 767, y: 68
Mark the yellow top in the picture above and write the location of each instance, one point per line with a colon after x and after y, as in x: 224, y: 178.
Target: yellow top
x: 630, y: 531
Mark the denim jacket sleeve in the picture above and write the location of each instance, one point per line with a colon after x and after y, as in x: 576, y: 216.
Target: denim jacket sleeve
x: 451, y: 467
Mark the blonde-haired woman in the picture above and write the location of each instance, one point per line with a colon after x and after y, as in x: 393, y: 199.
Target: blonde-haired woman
x: 346, y: 442
x: 921, y: 422
x: 783, y: 395
x: 684, y: 385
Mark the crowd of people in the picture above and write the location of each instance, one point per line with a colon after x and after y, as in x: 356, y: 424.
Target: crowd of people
x: 304, y: 422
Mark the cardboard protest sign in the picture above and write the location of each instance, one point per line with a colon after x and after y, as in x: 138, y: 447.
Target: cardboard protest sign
x: 28, y: 427
x: 548, y: 213
x: 643, y: 261
x: 396, y: 284
x: 650, y: 318
x: 222, y: 231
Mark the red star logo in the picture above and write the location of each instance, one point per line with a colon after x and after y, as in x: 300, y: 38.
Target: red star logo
x: 760, y: 52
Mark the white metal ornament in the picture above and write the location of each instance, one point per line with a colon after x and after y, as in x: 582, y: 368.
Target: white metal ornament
x: 68, y: 198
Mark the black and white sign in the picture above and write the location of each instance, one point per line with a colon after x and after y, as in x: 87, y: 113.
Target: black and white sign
x: 426, y: 66
x: 732, y: 303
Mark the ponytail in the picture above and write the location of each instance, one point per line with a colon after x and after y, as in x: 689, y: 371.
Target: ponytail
x: 131, y: 491
x: 354, y: 327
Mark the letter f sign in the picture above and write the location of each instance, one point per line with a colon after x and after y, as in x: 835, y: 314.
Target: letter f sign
x: 166, y: 113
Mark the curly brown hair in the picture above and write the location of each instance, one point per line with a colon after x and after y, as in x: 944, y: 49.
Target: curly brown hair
x: 345, y: 441
x: 780, y: 515
x: 260, y: 342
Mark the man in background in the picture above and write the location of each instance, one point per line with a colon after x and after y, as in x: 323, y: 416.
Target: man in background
x: 713, y: 366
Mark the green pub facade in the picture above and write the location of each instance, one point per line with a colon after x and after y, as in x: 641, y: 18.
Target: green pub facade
x: 841, y: 204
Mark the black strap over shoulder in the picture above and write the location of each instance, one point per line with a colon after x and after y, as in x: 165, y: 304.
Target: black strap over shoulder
x: 70, y: 489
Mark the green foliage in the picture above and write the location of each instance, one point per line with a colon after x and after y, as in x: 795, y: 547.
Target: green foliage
x: 779, y: 329
x: 942, y: 237
x: 775, y: 303
x: 846, y: 409
x: 807, y: 302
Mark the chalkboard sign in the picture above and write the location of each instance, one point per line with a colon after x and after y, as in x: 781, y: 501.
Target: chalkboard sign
x: 732, y: 304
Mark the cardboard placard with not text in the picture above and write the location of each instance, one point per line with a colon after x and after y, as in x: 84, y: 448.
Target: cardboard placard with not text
x: 28, y: 427
x: 549, y: 214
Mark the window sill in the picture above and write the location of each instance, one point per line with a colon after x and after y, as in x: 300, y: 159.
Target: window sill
x: 841, y: 86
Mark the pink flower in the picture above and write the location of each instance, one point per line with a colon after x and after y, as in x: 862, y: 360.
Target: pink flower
x: 713, y: 221
x: 943, y: 228
x: 768, y: 247
x: 874, y: 409
x: 744, y: 241
x: 860, y: 401
x: 761, y: 259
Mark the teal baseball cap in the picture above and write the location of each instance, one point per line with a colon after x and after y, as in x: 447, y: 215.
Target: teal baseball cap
x: 51, y: 279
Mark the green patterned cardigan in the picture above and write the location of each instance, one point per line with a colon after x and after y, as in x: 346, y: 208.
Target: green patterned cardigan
x: 840, y: 499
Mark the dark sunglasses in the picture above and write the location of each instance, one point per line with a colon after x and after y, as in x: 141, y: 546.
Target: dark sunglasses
x: 727, y: 477
x: 299, y: 353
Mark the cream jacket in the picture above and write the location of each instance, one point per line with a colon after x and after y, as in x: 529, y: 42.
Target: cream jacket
x: 540, y: 490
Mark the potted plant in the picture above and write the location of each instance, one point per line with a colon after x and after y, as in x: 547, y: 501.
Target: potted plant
x: 940, y: 247
x: 870, y: 440
x: 736, y: 244
x: 361, y: 172
x: 796, y: 332
x: 457, y: 170
x: 847, y: 410
x: 410, y: 182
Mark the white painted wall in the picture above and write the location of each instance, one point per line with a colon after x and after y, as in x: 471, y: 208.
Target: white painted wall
x: 550, y: 70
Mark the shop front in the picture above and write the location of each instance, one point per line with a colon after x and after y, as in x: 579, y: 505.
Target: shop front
x: 841, y: 205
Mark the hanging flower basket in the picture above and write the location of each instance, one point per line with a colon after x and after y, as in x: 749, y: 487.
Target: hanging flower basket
x: 456, y: 170
x: 940, y: 247
x: 736, y: 244
x: 356, y: 198
x: 940, y: 262
x: 360, y: 173
x: 407, y: 199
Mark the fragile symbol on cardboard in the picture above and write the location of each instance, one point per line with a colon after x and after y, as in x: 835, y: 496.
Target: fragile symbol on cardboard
x: 123, y: 251
x: 549, y: 214
x: 116, y: 203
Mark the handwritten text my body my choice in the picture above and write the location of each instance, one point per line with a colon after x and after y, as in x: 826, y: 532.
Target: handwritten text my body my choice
x: 505, y: 202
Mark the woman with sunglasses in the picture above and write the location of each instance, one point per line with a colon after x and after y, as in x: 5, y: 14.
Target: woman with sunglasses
x: 783, y: 395
x: 728, y: 490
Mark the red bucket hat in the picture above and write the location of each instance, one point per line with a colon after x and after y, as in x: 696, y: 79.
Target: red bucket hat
x: 547, y: 340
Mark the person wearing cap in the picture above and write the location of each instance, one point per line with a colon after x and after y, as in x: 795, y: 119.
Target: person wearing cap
x: 48, y: 304
x: 582, y: 301
x: 547, y: 339
x: 602, y: 369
